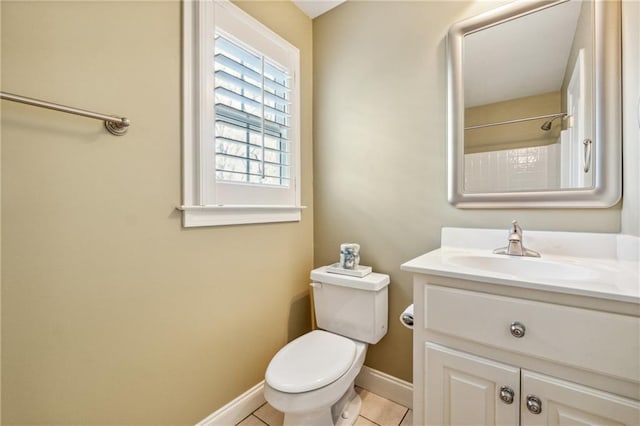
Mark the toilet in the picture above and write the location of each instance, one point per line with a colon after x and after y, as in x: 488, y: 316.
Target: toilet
x: 311, y: 379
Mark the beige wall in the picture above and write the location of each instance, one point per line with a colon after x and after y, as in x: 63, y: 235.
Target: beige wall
x: 112, y: 312
x: 380, y: 149
x: 631, y: 117
x: 0, y: 238
x: 515, y: 135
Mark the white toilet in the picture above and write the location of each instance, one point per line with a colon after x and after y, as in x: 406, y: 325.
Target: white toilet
x: 312, y: 378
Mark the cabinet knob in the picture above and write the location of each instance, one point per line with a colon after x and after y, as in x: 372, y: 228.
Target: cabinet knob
x: 534, y: 404
x: 506, y: 394
x: 517, y: 329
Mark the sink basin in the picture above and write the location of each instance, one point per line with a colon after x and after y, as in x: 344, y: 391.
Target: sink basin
x: 604, y: 266
x: 529, y: 267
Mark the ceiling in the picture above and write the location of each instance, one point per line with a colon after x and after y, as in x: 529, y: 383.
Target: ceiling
x: 521, y: 57
x: 315, y: 8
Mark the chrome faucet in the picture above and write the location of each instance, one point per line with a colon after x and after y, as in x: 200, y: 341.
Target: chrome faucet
x: 515, y: 247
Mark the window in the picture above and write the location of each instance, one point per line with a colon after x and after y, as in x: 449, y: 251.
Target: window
x: 241, y: 119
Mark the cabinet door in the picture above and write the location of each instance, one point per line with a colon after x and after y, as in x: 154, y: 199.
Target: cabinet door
x: 463, y: 389
x: 566, y: 403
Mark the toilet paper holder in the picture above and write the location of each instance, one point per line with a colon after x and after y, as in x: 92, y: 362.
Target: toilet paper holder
x: 406, y: 317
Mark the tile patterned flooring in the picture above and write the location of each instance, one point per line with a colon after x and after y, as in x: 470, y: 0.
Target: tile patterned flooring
x: 375, y: 411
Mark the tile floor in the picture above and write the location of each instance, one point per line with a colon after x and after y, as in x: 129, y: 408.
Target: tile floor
x: 375, y: 411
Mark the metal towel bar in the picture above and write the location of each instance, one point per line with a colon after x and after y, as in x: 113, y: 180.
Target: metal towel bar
x: 115, y: 125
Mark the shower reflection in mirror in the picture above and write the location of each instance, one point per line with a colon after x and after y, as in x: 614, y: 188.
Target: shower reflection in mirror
x: 528, y: 94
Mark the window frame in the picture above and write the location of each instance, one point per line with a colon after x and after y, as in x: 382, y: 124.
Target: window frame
x: 201, y: 203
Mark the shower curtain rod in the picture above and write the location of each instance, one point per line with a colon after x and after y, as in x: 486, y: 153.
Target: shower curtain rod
x: 115, y: 125
x: 519, y: 120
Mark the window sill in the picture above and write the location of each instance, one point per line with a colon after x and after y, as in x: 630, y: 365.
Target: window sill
x: 195, y: 216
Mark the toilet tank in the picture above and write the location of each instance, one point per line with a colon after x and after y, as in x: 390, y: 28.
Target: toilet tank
x: 351, y: 306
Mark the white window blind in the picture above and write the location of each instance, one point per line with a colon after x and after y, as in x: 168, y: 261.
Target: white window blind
x: 252, y: 109
x: 241, y: 105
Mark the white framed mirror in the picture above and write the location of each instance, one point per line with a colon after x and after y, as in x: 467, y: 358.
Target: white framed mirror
x: 534, y: 106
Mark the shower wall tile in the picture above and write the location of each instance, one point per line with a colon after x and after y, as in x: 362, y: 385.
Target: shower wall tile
x: 522, y: 169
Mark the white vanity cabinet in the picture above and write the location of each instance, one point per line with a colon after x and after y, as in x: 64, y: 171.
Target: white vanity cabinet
x: 484, y: 358
x: 565, y: 403
x: 516, y: 340
x: 463, y: 389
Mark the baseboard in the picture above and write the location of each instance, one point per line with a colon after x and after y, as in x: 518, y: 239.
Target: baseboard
x: 375, y: 381
x: 232, y: 413
x: 386, y: 386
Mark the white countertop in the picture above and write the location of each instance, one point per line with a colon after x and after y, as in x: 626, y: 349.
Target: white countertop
x: 587, y: 264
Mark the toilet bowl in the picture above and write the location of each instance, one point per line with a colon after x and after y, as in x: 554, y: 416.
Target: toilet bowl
x: 311, y: 379
x: 323, y: 393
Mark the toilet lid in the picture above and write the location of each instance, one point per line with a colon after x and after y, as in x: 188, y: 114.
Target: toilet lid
x: 310, y: 362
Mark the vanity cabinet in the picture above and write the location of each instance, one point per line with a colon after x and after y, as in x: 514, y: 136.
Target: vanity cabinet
x: 488, y: 356
x: 463, y: 389
x: 562, y: 403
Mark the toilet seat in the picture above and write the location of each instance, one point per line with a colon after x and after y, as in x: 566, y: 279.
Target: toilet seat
x: 310, y: 362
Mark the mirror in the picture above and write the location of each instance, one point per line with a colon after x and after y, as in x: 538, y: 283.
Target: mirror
x: 534, y: 105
